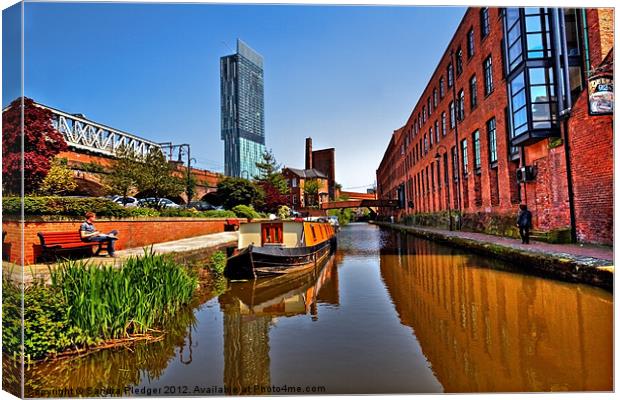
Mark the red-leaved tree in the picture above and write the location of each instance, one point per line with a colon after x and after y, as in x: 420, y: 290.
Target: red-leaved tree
x: 41, y: 143
x: 273, y: 198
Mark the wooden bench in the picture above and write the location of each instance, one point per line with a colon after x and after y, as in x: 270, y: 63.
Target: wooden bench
x: 54, y: 242
x: 232, y: 224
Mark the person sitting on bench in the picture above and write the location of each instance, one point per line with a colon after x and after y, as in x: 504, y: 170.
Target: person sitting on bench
x: 90, y: 234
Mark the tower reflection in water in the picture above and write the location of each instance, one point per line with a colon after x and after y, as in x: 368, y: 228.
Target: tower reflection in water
x: 487, y: 330
x: 251, y: 307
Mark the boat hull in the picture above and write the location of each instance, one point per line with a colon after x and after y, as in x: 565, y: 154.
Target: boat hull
x: 253, y: 262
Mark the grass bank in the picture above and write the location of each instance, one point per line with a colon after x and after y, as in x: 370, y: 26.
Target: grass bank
x: 90, y: 306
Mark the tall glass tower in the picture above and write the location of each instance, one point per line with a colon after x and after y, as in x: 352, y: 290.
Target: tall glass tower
x: 242, y: 109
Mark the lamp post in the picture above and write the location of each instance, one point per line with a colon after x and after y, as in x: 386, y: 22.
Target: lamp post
x: 456, y: 141
x: 446, y: 180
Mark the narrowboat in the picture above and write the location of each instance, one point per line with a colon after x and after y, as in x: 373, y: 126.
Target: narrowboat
x: 268, y: 248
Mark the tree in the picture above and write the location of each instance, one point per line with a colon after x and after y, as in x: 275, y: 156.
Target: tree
x: 155, y: 176
x: 59, y: 179
x: 190, y: 186
x: 41, y: 144
x: 273, y: 199
x: 311, y: 191
x: 123, y: 177
x: 235, y: 191
x: 269, y: 171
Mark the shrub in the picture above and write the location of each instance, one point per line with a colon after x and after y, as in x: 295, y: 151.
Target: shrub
x: 217, y: 262
x: 283, y: 212
x: 243, y: 211
x: 219, y: 214
x: 142, y: 212
x: 68, y: 206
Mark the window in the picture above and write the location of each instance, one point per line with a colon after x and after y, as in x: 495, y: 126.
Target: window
x: 425, y: 144
x: 450, y: 76
x: 423, y: 114
x: 455, y: 169
x: 488, y: 76
x: 435, y: 99
x: 428, y: 107
x: 473, y: 92
x: 464, y: 155
x: 485, y: 28
x: 436, y: 131
x: 470, y: 43
x: 442, y: 87
x: 430, y: 136
x: 476, y: 137
x: 294, y: 182
x: 459, y: 61
x: 460, y: 105
x: 452, y: 116
x: 492, y: 140
x: 443, y: 123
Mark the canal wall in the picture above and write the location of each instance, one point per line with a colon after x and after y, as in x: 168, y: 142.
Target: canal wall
x: 133, y: 232
x: 554, y: 264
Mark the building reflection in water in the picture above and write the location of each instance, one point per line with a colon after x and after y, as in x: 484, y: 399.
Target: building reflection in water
x: 250, y: 308
x: 486, y: 330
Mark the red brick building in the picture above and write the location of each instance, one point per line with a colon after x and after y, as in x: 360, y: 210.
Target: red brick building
x: 496, y: 126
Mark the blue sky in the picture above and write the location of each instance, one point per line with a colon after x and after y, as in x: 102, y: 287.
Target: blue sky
x: 346, y: 76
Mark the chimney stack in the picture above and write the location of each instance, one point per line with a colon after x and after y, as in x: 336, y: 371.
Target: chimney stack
x: 308, y: 153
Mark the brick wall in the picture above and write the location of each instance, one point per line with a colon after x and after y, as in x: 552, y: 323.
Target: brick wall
x: 592, y: 166
x: 132, y: 232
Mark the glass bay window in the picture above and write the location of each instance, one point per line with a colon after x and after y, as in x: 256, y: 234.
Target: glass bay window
x: 535, y: 45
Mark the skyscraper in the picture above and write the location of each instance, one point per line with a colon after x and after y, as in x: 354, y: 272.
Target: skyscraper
x: 242, y: 109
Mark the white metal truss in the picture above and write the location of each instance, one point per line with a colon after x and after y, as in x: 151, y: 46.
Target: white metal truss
x: 81, y: 133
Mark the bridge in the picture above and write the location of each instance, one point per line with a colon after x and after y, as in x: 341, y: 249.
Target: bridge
x: 92, y: 149
x: 330, y: 205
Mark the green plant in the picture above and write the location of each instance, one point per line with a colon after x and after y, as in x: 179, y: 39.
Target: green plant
x: 59, y: 179
x: 283, y: 212
x: 142, y: 212
x: 243, y: 211
x: 217, y: 262
x: 219, y: 214
x: 112, y: 303
x: 68, y: 206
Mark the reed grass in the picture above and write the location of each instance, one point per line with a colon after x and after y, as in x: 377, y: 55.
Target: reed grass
x: 110, y: 303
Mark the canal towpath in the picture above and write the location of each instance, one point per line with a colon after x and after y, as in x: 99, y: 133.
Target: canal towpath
x: 582, y: 263
x: 190, y: 249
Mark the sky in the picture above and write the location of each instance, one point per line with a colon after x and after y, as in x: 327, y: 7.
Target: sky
x: 347, y: 76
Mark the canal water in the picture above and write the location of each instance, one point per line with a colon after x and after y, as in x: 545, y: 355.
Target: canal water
x: 388, y: 313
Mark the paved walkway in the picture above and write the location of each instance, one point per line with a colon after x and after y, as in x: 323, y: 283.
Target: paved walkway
x: 577, y: 250
x: 187, y: 246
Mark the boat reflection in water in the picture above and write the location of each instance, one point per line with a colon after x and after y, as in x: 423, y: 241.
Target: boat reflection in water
x: 251, y: 307
x: 484, y: 330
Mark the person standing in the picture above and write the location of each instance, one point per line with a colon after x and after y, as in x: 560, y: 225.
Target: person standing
x: 90, y: 234
x: 524, y: 222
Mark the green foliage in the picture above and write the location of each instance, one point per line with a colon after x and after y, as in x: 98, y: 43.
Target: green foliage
x: 124, y: 174
x: 47, y: 330
x: 219, y: 214
x: 284, y: 212
x: 217, y: 262
x: 107, y: 302
x: 142, y: 212
x: 269, y: 172
x: 243, y: 211
x: 59, y: 179
x: 156, y: 178
x: 92, y: 167
x: 345, y: 215
x: 311, y: 191
x: 235, y: 191
x: 67, y: 206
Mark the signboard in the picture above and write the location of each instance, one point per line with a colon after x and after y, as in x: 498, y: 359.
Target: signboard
x: 601, y: 95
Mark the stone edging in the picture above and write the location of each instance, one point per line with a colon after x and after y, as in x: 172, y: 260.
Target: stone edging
x: 561, y: 266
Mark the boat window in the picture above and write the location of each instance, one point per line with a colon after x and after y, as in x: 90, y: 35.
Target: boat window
x: 313, y: 232
x: 271, y: 233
